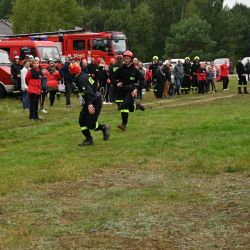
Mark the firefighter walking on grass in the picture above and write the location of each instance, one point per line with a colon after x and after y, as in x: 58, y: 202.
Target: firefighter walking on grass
x: 92, y: 105
x: 128, y: 78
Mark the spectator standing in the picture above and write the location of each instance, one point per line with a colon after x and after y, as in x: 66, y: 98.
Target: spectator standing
x: 179, y: 74
x: 167, y: 72
x: 247, y: 66
x: 53, y: 77
x: 240, y: 69
x: 211, y: 79
x: 201, y: 77
x: 24, y: 85
x: 186, y: 83
x: 43, y: 91
x: 224, y: 72
x: 67, y: 79
x: 194, y: 69
x: 140, y: 87
x: 16, y: 76
x: 33, y: 80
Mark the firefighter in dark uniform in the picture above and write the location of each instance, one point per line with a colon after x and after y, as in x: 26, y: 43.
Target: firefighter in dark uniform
x: 92, y: 105
x: 127, y: 80
x: 186, y: 83
x: 241, y: 77
x: 194, y: 69
x: 112, y: 72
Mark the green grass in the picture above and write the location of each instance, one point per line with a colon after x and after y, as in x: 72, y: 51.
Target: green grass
x: 178, y: 178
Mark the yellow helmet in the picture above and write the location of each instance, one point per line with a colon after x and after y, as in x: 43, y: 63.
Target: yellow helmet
x: 187, y: 58
x: 196, y: 58
x: 155, y: 58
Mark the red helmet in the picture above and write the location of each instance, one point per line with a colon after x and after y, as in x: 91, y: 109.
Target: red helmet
x: 128, y: 53
x: 74, y: 68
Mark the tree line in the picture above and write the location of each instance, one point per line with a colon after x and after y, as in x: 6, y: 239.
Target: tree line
x: 167, y: 28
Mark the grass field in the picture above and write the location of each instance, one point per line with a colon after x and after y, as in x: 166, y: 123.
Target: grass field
x: 178, y: 178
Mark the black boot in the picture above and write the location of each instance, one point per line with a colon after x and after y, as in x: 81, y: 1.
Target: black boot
x: 87, y: 142
x: 106, y: 132
x: 245, y: 90
x: 239, y: 90
x: 140, y: 106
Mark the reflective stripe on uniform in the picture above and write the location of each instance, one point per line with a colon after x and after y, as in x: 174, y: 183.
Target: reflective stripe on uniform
x: 96, y: 125
x: 115, y: 68
x: 84, y: 128
x: 124, y: 111
x: 118, y: 100
x: 131, y: 78
x: 91, y: 81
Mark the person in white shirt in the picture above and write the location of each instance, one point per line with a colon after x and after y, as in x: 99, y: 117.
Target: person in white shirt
x: 24, y: 86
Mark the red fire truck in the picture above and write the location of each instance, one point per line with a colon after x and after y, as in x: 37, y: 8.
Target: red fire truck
x: 6, y: 85
x: 89, y: 45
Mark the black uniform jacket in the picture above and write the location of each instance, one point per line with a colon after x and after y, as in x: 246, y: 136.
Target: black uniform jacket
x: 87, y: 88
x: 130, y: 76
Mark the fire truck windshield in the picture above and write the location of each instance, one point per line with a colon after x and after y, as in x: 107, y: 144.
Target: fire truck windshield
x: 4, y: 58
x: 49, y: 52
x: 120, y: 45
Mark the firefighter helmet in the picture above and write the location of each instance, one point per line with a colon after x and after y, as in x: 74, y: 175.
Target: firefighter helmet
x: 128, y: 53
x: 187, y: 58
x: 74, y: 68
x: 196, y: 58
x: 155, y: 58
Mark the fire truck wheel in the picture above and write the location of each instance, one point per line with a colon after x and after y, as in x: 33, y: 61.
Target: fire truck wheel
x: 2, y: 92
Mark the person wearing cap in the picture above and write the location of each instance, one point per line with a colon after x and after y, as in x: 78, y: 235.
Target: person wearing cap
x: 127, y: 79
x: 67, y: 78
x: 25, y: 69
x: 53, y: 77
x: 186, y: 83
x: 16, y: 76
x: 240, y: 69
x: 195, y: 66
x: 33, y: 80
x: 92, y: 105
x: 31, y: 59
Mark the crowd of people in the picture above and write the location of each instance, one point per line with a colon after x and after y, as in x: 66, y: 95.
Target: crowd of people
x: 192, y: 77
x: 120, y: 82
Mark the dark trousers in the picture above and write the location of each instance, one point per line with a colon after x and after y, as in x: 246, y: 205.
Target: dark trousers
x: 34, y: 100
x: 159, y: 89
x: 126, y: 107
x: 43, y: 96
x: 88, y: 121
x: 107, y: 93
x: 242, y: 80
x: 68, y: 90
x: 201, y: 86
x: 225, y: 81
x: 52, y: 95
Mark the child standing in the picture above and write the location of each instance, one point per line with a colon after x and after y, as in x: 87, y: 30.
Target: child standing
x: 43, y: 91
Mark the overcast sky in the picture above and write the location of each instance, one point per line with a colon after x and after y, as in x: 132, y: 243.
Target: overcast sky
x: 231, y: 3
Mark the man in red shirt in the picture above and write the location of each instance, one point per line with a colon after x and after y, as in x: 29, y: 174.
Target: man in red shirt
x: 224, y: 73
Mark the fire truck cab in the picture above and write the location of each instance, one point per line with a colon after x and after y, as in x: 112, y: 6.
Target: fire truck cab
x: 6, y: 85
x: 41, y: 49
